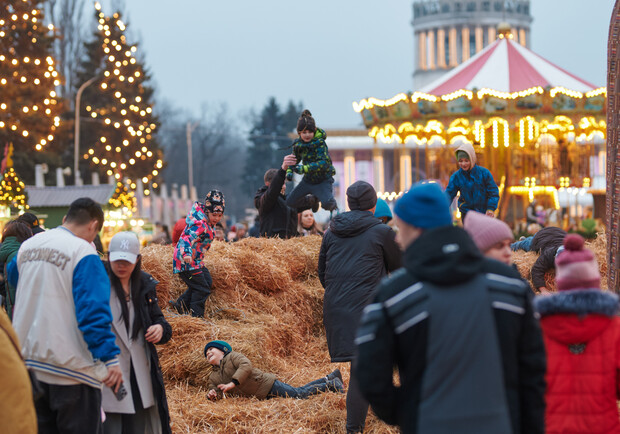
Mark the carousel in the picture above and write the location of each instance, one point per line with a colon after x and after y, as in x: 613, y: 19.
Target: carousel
x: 539, y: 129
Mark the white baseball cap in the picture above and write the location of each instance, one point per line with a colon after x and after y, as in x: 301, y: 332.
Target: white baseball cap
x: 124, y: 246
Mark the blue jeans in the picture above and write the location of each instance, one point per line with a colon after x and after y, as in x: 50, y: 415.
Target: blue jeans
x: 284, y: 390
x: 324, y: 191
x: 522, y: 245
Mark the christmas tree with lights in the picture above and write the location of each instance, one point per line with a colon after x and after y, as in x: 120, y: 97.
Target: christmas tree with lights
x: 29, y: 107
x: 119, y: 133
x: 12, y: 190
x: 123, y: 197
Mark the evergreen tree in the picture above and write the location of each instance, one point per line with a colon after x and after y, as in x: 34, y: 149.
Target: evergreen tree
x: 123, y: 197
x: 12, y: 190
x: 270, y: 141
x: 29, y: 106
x: 120, y: 138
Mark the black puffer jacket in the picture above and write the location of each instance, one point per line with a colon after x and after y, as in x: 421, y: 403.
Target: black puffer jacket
x: 546, y: 243
x: 357, y: 251
x: 276, y: 219
x: 549, y: 237
x: 464, y: 338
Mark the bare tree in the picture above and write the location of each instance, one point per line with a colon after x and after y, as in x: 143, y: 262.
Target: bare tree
x: 67, y: 17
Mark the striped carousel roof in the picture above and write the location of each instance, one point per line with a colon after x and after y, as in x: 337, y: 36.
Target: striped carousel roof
x: 506, y: 66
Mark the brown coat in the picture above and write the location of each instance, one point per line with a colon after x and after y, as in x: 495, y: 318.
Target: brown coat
x: 16, y: 406
x: 252, y: 381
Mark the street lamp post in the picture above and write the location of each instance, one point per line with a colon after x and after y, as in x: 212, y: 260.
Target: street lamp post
x: 76, y: 135
x: 190, y: 161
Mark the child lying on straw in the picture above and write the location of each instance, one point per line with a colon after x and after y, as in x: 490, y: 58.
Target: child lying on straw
x: 233, y: 372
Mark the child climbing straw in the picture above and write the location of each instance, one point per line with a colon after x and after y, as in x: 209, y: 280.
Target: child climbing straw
x: 478, y: 189
x: 316, y: 166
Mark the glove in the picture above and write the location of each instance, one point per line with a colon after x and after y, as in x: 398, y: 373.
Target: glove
x: 298, y: 168
x: 289, y: 176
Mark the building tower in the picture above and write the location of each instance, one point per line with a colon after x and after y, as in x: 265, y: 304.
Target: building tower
x: 448, y: 32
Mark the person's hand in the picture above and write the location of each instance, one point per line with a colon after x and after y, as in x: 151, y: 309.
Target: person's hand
x: 491, y: 213
x: 187, y: 259
x: 154, y: 333
x: 212, y: 394
x: 289, y: 160
x: 114, y: 378
x: 226, y: 387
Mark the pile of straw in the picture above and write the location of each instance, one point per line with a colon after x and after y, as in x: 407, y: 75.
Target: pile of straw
x: 525, y: 260
x: 267, y: 303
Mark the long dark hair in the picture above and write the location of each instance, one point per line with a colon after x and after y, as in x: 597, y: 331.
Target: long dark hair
x: 18, y: 229
x: 134, y: 280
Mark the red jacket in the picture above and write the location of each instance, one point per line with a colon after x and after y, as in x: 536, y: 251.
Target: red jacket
x: 582, y: 339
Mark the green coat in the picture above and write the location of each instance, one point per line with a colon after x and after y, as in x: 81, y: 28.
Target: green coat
x: 252, y: 381
x: 8, y: 250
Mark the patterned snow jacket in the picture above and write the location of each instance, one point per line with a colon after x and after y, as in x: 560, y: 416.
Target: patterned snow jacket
x: 581, y: 330
x: 478, y: 189
x: 195, y: 240
x: 316, y: 156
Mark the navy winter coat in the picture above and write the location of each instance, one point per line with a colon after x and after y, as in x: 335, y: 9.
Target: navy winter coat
x: 357, y: 251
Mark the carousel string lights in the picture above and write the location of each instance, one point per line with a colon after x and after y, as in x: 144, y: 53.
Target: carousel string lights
x: 542, y: 127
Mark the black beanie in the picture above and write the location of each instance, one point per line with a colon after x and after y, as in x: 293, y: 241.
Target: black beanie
x: 361, y: 195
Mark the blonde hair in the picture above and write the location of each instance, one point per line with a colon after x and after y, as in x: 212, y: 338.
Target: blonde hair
x: 313, y: 230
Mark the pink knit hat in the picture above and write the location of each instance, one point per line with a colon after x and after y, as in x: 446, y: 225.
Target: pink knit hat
x: 576, y: 267
x: 486, y: 231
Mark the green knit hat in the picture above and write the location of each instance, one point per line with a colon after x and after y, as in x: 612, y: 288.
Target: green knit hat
x: 220, y: 345
x: 462, y: 154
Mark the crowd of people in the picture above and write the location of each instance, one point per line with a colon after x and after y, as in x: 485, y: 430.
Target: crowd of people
x: 405, y: 288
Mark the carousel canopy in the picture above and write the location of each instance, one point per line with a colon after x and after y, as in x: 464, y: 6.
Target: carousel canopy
x: 506, y: 66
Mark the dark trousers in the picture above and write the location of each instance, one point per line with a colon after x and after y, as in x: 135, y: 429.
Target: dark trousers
x: 72, y: 409
x: 357, y: 406
x: 324, y: 191
x: 198, y: 289
x: 284, y: 390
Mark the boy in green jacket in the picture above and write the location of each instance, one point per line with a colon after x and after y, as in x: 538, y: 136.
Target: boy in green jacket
x: 233, y: 372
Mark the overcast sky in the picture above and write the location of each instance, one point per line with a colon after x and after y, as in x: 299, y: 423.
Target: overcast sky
x: 326, y: 53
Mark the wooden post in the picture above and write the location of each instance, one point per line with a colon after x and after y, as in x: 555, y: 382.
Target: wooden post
x: 613, y: 158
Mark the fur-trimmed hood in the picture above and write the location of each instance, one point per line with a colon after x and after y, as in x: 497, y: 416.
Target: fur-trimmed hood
x: 578, y: 315
x: 578, y: 301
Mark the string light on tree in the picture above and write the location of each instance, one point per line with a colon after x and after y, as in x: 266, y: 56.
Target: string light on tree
x: 123, y: 198
x: 121, y: 139
x: 29, y: 106
x: 12, y: 190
